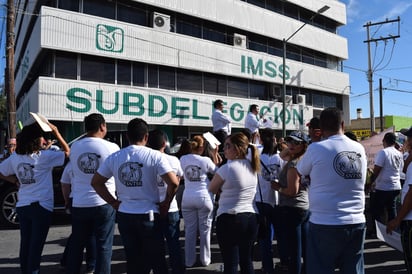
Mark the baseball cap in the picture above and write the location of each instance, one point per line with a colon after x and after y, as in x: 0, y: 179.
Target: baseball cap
x: 406, y: 131
x: 314, y: 123
x: 297, y: 136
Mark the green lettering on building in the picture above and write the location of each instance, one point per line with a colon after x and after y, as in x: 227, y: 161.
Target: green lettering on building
x: 195, y: 105
x: 136, y: 104
x: 74, y: 95
x: 236, y: 112
x: 114, y: 101
x: 129, y: 104
x: 152, y: 103
x: 178, y: 110
x: 260, y: 67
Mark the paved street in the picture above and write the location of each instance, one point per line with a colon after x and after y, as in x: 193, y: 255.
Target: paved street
x: 379, y: 257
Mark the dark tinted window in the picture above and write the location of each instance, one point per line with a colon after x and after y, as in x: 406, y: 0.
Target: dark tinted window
x: 188, y: 28
x: 132, y: 15
x: 167, y: 78
x: 190, y: 81
x: 72, y: 5
x: 138, y: 74
x: 97, y: 69
x: 214, y: 33
x: 100, y: 8
x: 258, y: 90
x: 237, y: 88
x: 123, y: 72
x: 152, y: 76
x: 214, y: 84
x: 66, y: 65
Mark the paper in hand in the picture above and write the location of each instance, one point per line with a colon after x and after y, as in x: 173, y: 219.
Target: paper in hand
x: 211, y: 139
x: 42, y: 121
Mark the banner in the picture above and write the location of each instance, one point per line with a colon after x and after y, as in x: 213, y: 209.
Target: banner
x: 373, y: 145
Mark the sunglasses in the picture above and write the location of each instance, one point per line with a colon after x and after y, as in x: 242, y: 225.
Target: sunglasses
x: 294, y: 142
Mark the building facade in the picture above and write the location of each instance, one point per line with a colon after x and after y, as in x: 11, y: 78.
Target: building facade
x: 166, y: 61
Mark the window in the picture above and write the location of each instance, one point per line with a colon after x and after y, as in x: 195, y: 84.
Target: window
x: 317, y: 101
x: 66, y: 65
x: 97, y: 69
x: 153, y: 77
x: 190, y: 81
x: 329, y: 101
x: 214, y: 33
x: 106, y: 9
x: 72, y: 5
x: 138, y: 74
x: 191, y: 29
x: 214, y: 84
x: 132, y: 15
x: 167, y: 78
x: 258, y: 90
x: 258, y: 45
x: 123, y: 72
x: 237, y: 88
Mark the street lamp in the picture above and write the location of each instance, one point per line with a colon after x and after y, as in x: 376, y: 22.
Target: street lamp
x: 321, y: 10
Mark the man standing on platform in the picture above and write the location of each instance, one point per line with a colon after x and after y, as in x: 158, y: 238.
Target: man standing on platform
x: 221, y: 123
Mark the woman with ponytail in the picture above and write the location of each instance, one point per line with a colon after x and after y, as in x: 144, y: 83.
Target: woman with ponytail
x: 236, y: 225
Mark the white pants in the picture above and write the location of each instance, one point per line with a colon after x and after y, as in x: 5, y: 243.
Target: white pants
x: 197, y: 216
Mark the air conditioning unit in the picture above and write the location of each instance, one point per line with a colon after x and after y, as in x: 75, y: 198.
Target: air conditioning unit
x: 300, y: 99
x: 239, y: 40
x: 161, y: 21
x: 288, y: 99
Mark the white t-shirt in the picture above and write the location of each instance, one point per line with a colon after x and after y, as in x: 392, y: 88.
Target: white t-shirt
x: 35, y: 176
x: 274, y: 164
x: 86, y: 156
x: 337, y: 168
x: 195, y: 168
x: 391, y: 161
x: 239, y: 187
x: 67, y: 176
x: 405, y: 189
x: 135, y: 169
x: 175, y: 165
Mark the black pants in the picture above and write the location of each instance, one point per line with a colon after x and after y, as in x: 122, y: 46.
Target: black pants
x: 221, y: 136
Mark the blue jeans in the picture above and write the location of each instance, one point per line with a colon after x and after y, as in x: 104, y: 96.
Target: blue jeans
x: 87, y: 221
x: 90, y: 253
x: 265, y: 243
x: 34, y: 226
x: 143, y: 243
x: 236, y: 235
x: 294, y: 231
x: 335, y: 246
x: 171, y: 231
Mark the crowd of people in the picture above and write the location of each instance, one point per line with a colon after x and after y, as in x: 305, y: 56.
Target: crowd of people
x: 305, y: 191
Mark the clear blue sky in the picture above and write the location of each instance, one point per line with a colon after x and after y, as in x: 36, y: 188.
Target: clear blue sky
x: 391, y: 61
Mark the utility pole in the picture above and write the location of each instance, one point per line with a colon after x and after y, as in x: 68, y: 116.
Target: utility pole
x: 11, y: 100
x: 370, y: 69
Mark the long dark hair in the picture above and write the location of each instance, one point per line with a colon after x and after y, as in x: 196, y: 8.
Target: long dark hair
x: 28, y: 140
x: 266, y: 136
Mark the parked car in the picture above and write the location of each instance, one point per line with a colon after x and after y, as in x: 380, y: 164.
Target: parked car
x: 9, y: 192
x: 8, y: 200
